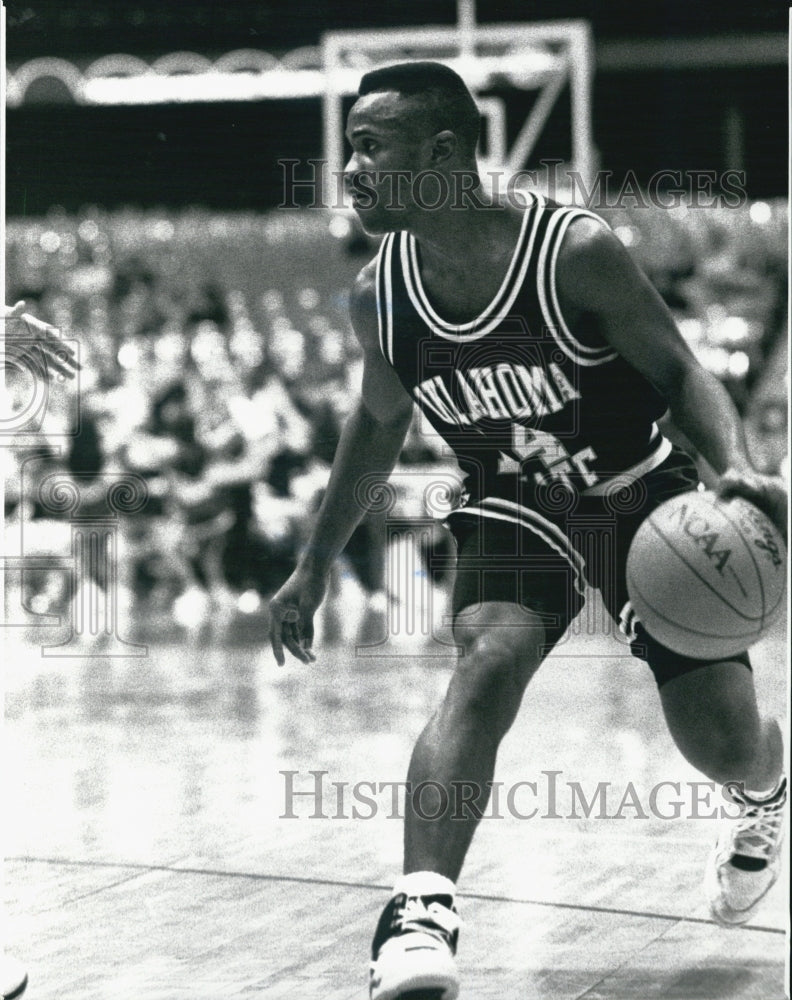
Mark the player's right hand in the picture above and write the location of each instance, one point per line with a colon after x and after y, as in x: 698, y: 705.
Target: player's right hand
x: 291, y: 615
x: 768, y: 493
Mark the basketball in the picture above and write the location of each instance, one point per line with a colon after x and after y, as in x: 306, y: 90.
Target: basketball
x: 707, y: 576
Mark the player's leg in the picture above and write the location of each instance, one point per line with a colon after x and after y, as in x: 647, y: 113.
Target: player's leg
x: 712, y: 714
x: 710, y: 707
x: 448, y: 784
x: 500, y: 649
x: 713, y: 717
x: 504, y: 621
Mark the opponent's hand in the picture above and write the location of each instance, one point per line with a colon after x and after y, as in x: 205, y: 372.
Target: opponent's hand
x: 291, y: 616
x: 22, y: 328
x: 768, y: 493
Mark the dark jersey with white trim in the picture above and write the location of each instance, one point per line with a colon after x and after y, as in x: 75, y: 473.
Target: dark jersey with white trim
x: 522, y: 402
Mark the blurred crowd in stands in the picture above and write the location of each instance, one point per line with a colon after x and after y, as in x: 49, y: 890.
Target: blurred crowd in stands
x: 218, y: 365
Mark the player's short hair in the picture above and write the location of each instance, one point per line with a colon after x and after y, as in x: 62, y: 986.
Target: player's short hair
x: 444, y: 95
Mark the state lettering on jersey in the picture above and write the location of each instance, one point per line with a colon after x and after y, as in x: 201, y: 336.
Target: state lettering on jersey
x: 529, y: 444
x: 504, y: 391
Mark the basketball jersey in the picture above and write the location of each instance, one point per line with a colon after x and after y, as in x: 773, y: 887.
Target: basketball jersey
x: 524, y: 404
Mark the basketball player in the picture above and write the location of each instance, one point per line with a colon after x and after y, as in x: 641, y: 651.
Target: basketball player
x: 540, y: 353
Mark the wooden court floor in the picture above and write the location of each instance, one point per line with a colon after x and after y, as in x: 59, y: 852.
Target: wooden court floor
x: 149, y: 854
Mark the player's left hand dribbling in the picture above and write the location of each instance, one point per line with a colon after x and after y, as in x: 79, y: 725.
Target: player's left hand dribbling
x: 768, y: 493
x: 25, y: 329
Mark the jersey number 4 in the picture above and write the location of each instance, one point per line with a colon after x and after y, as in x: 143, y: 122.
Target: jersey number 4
x: 540, y: 446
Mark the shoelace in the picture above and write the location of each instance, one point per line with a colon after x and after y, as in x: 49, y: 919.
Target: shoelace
x: 756, y: 832
x: 434, y: 919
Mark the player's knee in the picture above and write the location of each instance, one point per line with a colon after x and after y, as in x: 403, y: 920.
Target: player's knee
x: 492, y: 674
x: 732, y: 755
x: 725, y: 748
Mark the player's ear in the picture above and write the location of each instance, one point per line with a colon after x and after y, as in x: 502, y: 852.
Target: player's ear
x: 444, y: 145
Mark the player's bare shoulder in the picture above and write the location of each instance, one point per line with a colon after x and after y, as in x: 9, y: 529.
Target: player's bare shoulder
x: 382, y: 392
x: 592, y: 263
x: 590, y: 243
x: 363, y: 307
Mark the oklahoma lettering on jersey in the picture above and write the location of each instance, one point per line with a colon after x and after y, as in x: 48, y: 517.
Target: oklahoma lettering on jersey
x: 520, y: 400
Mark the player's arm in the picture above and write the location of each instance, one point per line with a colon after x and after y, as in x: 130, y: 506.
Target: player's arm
x: 372, y: 438
x: 370, y: 443
x: 596, y: 276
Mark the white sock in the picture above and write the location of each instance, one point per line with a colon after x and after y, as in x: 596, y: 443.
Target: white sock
x: 424, y: 884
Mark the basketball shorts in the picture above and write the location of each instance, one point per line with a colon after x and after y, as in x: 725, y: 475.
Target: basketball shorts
x: 543, y: 556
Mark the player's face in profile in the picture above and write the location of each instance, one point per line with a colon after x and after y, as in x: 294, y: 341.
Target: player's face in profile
x: 386, y: 137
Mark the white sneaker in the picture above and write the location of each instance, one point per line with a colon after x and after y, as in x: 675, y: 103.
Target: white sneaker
x: 412, y: 954
x: 746, y: 859
x: 13, y: 978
